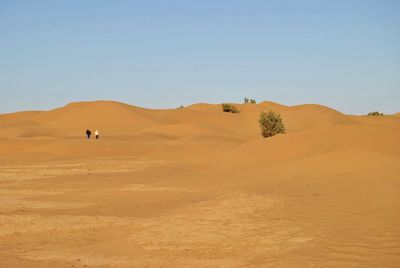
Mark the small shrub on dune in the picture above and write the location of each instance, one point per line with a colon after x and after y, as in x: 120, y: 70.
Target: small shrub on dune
x: 376, y: 113
x: 229, y: 108
x: 247, y: 100
x: 271, y: 124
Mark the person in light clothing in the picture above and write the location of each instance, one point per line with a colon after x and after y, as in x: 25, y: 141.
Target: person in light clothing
x: 96, y: 133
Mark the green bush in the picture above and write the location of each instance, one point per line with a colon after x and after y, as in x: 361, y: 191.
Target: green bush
x: 271, y: 124
x: 229, y: 108
x: 376, y: 113
x: 247, y: 100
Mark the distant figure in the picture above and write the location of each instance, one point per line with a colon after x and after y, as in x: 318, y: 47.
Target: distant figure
x: 88, y: 133
x: 96, y: 133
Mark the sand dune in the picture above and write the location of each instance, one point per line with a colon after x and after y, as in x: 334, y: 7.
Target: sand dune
x: 197, y: 187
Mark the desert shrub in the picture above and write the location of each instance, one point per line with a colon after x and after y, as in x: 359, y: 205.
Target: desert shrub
x: 376, y: 113
x: 271, y: 124
x: 247, y: 100
x: 229, y: 108
x: 180, y: 107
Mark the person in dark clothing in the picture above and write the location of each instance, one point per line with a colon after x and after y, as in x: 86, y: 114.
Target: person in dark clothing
x: 88, y: 133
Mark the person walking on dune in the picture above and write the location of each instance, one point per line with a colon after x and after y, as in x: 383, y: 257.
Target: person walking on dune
x: 88, y: 133
x: 96, y: 133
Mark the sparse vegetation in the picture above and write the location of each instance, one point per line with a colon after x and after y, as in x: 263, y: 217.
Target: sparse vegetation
x: 376, y: 113
x: 229, y: 108
x: 180, y: 107
x: 271, y: 124
x: 247, y: 100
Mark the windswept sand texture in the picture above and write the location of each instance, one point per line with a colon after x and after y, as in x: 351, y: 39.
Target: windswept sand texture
x: 196, y: 187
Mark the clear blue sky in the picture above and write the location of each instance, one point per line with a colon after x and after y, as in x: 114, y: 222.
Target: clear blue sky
x: 342, y: 53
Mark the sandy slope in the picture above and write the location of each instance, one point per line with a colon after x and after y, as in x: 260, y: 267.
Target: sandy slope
x: 196, y: 187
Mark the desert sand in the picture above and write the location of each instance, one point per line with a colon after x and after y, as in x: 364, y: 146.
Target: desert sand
x: 196, y: 187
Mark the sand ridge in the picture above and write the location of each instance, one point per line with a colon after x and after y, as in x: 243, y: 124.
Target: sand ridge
x: 197, y: 187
